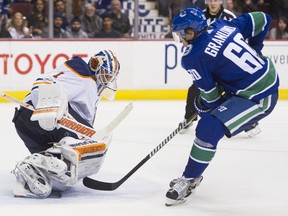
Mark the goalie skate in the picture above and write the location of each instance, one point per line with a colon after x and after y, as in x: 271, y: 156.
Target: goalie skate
x: 180, y: 189
x: 35, y: 173
x: 31, y: 181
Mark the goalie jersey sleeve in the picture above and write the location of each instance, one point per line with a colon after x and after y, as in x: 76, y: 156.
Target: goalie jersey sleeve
x: 80, y: 87
x: 220, y: 60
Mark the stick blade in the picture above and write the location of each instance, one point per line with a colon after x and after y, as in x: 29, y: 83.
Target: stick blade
x: 98, y: 185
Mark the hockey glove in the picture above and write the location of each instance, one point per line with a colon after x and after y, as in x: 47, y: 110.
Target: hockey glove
x: 200, y: 107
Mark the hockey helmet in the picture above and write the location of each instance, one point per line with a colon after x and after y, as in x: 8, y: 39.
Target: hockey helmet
x: 192, y: 17
x: 105, y: 67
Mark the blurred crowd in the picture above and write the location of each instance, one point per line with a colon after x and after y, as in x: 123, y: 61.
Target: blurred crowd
x: 106, y: 19
x: 72, y: 19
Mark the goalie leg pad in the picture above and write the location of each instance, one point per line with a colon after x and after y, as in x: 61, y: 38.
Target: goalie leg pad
x: 85, y: 156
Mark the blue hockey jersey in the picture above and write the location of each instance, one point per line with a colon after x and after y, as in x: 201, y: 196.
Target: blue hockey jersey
x: 227, y: 58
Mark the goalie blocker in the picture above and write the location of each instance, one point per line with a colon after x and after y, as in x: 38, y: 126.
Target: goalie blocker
x: 59, y: 167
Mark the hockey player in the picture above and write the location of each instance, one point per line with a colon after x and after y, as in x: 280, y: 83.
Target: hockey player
x: 238, y: 86
x: 59, y: 157
x: 213, y: 11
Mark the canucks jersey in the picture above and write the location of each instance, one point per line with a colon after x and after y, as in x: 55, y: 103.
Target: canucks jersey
x: 225, y: 58
x: 81, y: 89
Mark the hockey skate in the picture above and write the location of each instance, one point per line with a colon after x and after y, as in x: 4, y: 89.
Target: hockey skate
x: 35, y: 174
x: 181, y: 188
x: 31, y: 181
x: 253, y: 130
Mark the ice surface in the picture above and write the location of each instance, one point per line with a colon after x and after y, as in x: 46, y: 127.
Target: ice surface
x: 248, y: 176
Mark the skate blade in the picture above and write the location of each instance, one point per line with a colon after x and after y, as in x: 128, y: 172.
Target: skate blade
x: 54, y: 194
x: 254, y: 132
x: 171, y: 202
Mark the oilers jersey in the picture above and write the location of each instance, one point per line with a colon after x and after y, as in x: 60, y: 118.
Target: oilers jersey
x: 227, y: 58
x: 81, y: 89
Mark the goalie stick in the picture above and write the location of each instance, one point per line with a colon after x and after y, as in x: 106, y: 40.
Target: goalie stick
x: 106, y: 186
x: 74, y: 126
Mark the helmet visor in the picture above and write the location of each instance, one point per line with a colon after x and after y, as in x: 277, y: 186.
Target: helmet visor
x: 176, y: 37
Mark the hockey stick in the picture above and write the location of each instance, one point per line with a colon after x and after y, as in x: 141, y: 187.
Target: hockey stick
x: 106, y: 186
x: 74, y: 126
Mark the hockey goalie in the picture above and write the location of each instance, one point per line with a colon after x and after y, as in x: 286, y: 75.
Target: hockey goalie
x: 60, y: 158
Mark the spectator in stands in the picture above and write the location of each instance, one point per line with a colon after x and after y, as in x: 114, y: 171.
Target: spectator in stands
x: 264, y: 5
x: 77, y: 7
x: 58, y: 30
x: 232, y: 6
x: 107, y: 30
x: 74, y: 30
x: 280, y: 32
x: 102, y: 6
x: 163, y: 7
x: 279, y: 8
x: 121, y: 21
x: 4, y: 11
x: 60, y: 7
x: 18, y: 28
x: 3, y: 31
x: 168, y: 8
x: 4, y: 6
x: 174, y: 8
x: 91, y: 22
x: 247, y: 6
x: 38, y: 20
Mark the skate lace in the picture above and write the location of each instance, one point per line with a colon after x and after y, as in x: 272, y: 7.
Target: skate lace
x: 181, y: 185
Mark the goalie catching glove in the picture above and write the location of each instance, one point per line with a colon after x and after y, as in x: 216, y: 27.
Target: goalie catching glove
x: 59, y: 167
x: 51, y: 106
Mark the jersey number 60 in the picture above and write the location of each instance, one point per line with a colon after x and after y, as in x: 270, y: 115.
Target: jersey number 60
x: 243, y: 55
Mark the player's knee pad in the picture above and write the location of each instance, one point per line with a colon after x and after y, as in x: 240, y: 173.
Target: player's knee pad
x: 210, y: 129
